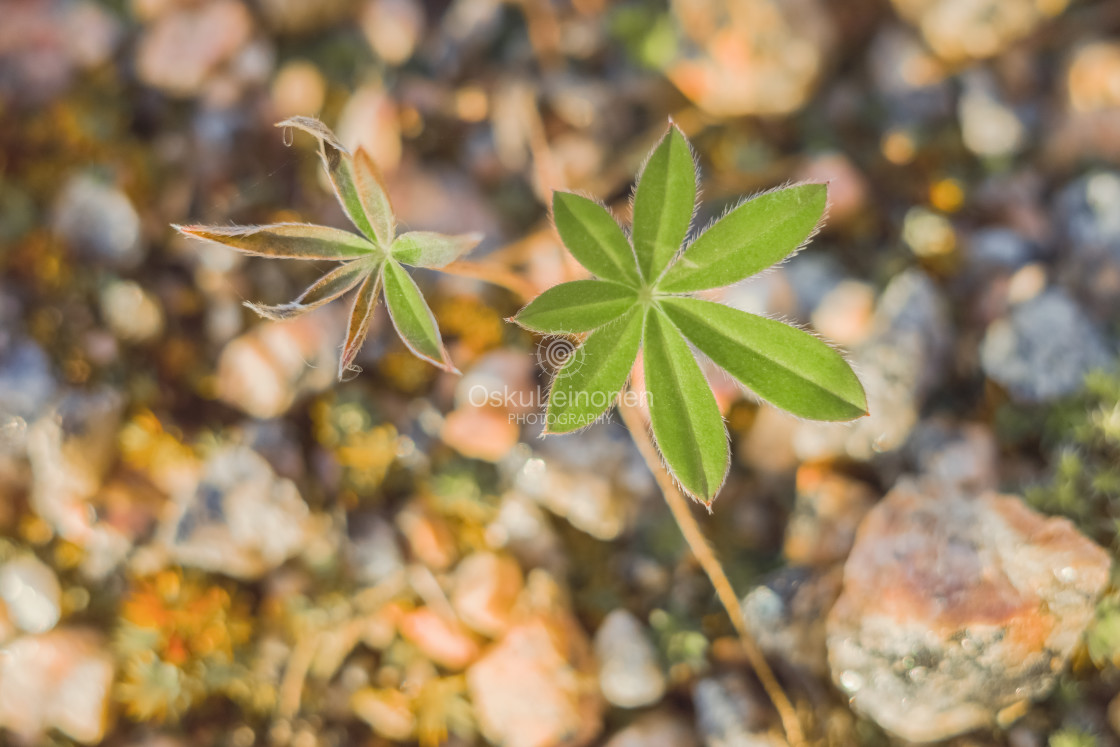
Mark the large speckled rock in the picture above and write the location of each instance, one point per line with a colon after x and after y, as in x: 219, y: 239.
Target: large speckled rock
x: 957, y: 606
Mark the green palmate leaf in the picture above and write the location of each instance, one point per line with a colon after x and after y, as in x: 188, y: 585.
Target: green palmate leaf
x: 327, y: 288
x: 341, y: 171
x: 285, y: 240
x: 429, y: 249
x: 755, y: 235
x: 588, y: 383
x: 412, y: 318
x: 594, y: 238
x: 361, y: 315
x: 785, y: 366
x: 663, y: 203
x: 686, y: 420
x: 578, y: 306
x: 374, y: 198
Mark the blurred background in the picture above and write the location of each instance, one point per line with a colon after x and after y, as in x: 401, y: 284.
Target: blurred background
x: 208, y: 540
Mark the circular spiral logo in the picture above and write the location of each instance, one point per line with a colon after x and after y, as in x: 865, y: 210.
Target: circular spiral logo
x: 554, y: 353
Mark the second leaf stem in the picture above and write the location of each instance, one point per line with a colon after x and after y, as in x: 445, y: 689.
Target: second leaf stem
x: 679, y: 506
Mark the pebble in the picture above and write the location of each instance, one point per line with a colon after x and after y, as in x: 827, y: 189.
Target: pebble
x: 591, y: 481
x: 299, y: 89
x: 958, y: 455
x: 58, y: 680
x: 656, y: 729
x: 31, y: 593
x: 1089, y: 229
x: 239, y: 519
x: 264, y: 371
x: 429, y: 538
x: 786, y: 614
x: 728, y: 714
x: 486, y: 587
x: 132, y: 313
x: 179, y: 51
x: 902, y: 361
x: 956, y: 606
x: 442, y: 640
x: 756, y: 57
x: 27, y: 383
x: 1043, y: 348
x: 388, y: 712
x: 393, y: 28
x: 630, y: 674
x: 964, y: 30
x: 1092, y: 75
x: 372, y: 549
x: 989, y: 127
x: 71, y: 449
x: 536, y: 687
x: 828, y: 508
x: 99, y: 222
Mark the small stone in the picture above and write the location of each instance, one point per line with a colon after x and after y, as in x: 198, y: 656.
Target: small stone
x: 1043, y: 348
x: 656, y: 729
x: 238, y: 518
x: 180, y: 50
x: 845, y: 315
x: 31, y: 593
x: 392, y: 28
x: 989, y: 127
x: 388, y: 712
x: 429, y: 537
x: 443, y: 641
x: 480, y: 432
x: 955, y: 606
x: 58, y: 680
x: 370, y: 120
x: 811, y: 276
x: 768, y: 446
x: 1093, y: 72
x: 26, y: 384
x: 372, y: 550
x: 963, y: 30
x: 958, y: 455
x: 299, y: 89
x: 98, y: 221
x: 1089, y: 227
x: 787, y: 612
x: 486, y: 587
x: 728, y: 714
x: 912, y: 83
x: 131, y: 312
x: 630, y: 674
x: 828, y: 509
x: 264, y: 371
x: 847, y: 187
x: 71, y: 449
x: 587, y: 480
x: 1114, y: 715
x: 534, y: 687
x: 899, y: 364
x: 752, y: 57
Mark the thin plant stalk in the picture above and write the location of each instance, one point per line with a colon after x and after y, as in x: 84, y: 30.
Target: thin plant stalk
x: 706, y: 557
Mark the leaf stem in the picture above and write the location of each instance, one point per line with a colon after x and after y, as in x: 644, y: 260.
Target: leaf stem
x: 706, y: 557
x: 494, y: 273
